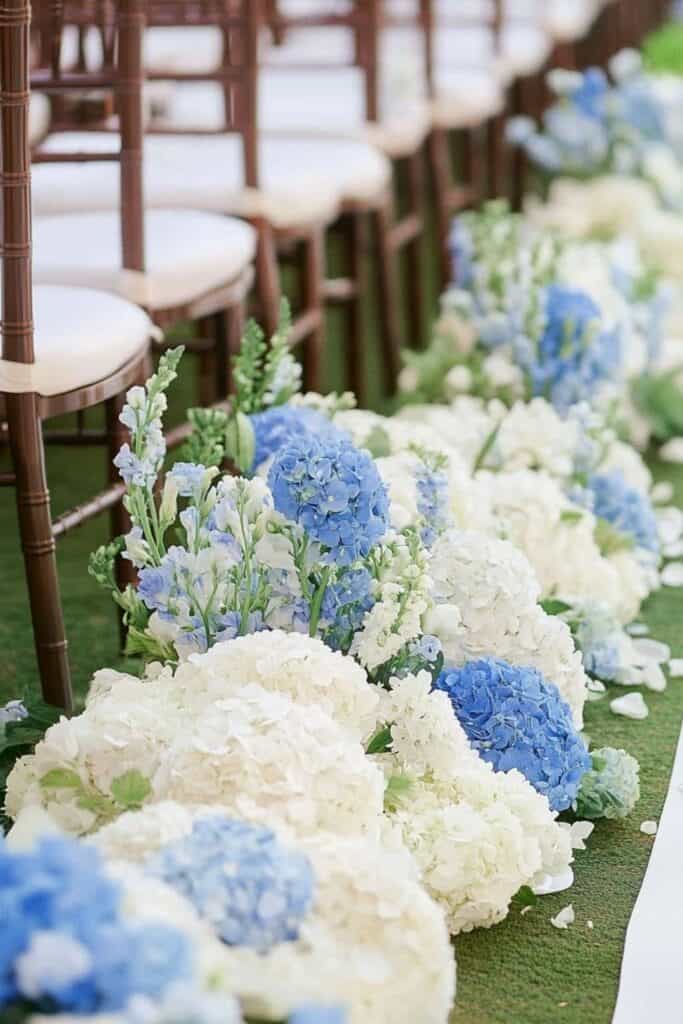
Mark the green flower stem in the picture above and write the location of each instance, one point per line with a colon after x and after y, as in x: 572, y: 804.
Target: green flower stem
x: 316, y: 603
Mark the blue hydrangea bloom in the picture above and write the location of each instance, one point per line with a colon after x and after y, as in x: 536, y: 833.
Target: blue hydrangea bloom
x: 590, y: 96
x: 462, y: 254
x: 252, y: 890
x: 574, y: 356
x: 427, y: 647
x: 58, y: 894
x: 318, y: 1015
x: 334, y: 491
x: 276, y: 427
x: 344, y: 605
x: 628, y: 511
x: 516, y: 719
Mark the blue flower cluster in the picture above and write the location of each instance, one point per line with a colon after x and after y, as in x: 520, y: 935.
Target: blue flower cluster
x: 515, y: 719
x: 591, y: 93
x: 276, y: 427
x: 626, y: 509
x: 318, y: 1015
x: 432, y: 504
x: 252, y: 890
x: 344, y: 605
x: 64, y: 944
x: 462, y: 253
x: 574, y: 357
x: 334, y: 491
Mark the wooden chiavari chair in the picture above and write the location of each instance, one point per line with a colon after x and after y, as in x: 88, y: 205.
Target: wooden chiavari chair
x: 184, y: 265
x: 87, y: 348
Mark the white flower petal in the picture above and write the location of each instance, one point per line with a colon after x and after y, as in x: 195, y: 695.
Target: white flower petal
x: 669, y: 524
x: 663, y: 491
x: 631, y: 706
x: 649, y: 828
x: 672, y: 451
x: 638, y: 629
x: 564, y: 918
x: 672, y: 574
x: 650, y: 650
x: 674, y: 550
x: 676, y: 668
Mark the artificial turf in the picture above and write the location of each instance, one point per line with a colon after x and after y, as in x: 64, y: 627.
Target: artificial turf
x: 524, y: 971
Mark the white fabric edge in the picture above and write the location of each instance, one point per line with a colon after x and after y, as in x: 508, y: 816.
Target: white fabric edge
x: 651, y: 982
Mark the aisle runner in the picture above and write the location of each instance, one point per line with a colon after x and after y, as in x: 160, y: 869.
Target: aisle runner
x: 651, y: 987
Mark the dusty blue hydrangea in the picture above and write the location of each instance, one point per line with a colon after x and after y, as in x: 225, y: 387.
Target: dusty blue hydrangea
x: 516, y: 719
x: 611, y: 788
x: 64, y: 943
x: 334, y: 491
x: 251, y: 889
x: 575, y: 356
x: 627, y: 510
x: 344, y: 605
x: 276, y: 427
x: 433, y: 504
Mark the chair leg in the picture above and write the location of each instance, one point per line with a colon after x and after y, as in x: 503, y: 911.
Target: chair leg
x: 235, y: 329
x: 222, y: 349
x: 354, y: 237
x: 495, y: 146
x: 383, y: 219
x: 313, y: 292
x: 440, y: 167
x: 267, y: 276
x: 208, y: 369
x: 119, y: 520
x: 38, y: 544
x: 415, y: 250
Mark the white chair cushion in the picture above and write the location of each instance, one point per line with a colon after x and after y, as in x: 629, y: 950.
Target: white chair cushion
x: 187, y: 254
x: 466, y: 98
x: 304, y: 180
x: 38, y: 117
x: 318, y: 103
x: 568, y: 20
x: 80, y: 337
x: 191, y: 49
x: 526, y: 49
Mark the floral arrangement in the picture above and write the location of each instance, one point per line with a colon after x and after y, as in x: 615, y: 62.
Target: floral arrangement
x: 599, y: 127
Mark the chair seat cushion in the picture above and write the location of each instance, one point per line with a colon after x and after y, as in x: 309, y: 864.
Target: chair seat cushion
x: 187, y: 254
x: 80, y: 337
x: 303, y: 180
x: 328, y: 103
x: 567, y: 20
x: 466, y: 98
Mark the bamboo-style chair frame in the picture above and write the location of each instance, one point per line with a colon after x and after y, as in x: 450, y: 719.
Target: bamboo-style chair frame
x: 24, y: 412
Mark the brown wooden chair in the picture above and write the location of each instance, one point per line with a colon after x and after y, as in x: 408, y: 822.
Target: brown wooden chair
x: 87, y: 349
x: 360, y: 171
x: 179, y: 265
x: 221, y: 172
x: 327, y: 76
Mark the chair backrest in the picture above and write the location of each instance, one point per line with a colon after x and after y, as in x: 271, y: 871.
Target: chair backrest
x: 239, y: 22
x: 363, y: 18
x: 121, y: 27
x: 15, y: 181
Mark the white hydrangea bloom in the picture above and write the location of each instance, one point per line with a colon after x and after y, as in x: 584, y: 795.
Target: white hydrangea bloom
x: 426, y: 737
x: 558, y: 539
x: 608, y: 205
x: 300, y: 667
x: 624, y: 458
x: 478, y: 838
x: 398, y: 473
x: 464, y: 425
x: 126, y: 728
x: 261, y: 747
x: 373, y: 939
x: 533, y: 436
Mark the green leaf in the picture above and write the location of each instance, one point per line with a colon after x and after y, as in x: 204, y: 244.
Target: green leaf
x: 526, y: 897
x: 571, y: 515
x: 486, y: 448
x: 61, y: 778
x: 131, y: 789
x: 397, y: 786
x: 380, y: 742
x: 97, y: 804
x: 551, y: 606
x: 377, y: 443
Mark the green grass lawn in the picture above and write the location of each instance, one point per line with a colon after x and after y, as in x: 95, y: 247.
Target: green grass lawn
x: 522, y: 972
